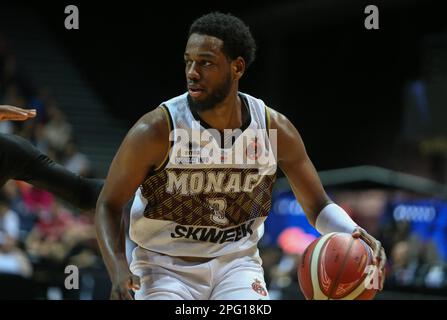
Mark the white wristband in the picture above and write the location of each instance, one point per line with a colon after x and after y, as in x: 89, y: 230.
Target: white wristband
x: 334, y: 219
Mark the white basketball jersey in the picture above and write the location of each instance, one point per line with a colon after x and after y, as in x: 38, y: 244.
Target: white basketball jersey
x: 212, y: 194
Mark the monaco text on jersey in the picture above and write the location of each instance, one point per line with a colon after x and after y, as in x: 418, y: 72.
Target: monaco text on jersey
x: 188, y: 183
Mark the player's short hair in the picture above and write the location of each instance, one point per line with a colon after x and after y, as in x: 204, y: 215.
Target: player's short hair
x: 235, y: 34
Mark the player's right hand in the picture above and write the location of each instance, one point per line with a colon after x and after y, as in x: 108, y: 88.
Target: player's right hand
x: 123, y: 284
x: 15, y: 113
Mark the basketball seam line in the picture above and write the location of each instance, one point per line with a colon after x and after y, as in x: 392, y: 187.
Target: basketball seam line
x: 345, y: 261
x: 323, y: 246
x: 362, y: 279
x: 316, y: 285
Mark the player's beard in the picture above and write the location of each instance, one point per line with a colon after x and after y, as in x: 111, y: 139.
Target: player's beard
x: 215, y: 97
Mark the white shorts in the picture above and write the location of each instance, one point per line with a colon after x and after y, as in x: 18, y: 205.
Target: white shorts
x: 237, y: 276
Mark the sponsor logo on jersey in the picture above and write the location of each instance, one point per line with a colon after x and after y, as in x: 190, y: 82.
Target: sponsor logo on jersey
x: 254, y: 150
x: 212, y: 234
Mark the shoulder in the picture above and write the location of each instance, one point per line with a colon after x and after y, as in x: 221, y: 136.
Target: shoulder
x: 278, y: 121
x: 148, y: 140
x: 275, y: 119
x: 288, y: 140
x: 154, y: 125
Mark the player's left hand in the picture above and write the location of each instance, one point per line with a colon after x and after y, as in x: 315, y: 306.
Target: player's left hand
x: 378, y: 251
x: 16, y: 113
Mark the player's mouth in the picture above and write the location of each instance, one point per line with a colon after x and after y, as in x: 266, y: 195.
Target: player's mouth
x: 195, y: 91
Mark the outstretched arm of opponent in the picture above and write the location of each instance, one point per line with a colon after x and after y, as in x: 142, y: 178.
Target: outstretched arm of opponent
x: 142, y: 150
x: 20, y: 160
x: 16, y: 113
x: 79, y: 191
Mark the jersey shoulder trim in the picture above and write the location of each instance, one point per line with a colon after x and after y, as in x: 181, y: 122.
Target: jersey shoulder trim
x: 168, y: 118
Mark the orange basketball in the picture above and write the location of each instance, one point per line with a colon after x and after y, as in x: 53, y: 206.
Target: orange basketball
x: 338, y: 266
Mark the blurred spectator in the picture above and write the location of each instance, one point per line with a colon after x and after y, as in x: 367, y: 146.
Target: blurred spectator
x: 435, y: 277
x: 75, y: 161
x: 45, y: 240
x: 6, y: 127
x: 57, y: 130
x: 38, y: 202
x: 12, y: 190
x: 12, y: 259
x: 404, y: 268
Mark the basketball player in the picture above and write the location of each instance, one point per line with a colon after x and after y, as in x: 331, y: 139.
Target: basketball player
x: 197, y: 223
x: 20, y: 160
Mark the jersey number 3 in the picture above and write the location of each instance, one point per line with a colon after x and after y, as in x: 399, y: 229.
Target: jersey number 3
x: 218, y: 206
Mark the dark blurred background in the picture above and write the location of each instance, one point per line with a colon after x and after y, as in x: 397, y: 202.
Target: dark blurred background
x: 371, y: 102
x: 342, y: 85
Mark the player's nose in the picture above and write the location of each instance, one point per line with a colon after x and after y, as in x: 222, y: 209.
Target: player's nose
x: 192, y: 73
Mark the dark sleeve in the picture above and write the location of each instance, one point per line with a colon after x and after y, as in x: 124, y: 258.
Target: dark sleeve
x: 15, y: 154
x: 25, y: 162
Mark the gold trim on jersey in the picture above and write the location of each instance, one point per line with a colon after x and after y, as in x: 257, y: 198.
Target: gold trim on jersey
x: 267, y: 119
x: 170, y: 127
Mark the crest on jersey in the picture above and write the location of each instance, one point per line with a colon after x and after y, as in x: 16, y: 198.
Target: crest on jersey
x: 254, y: 150
x: 257, y: 286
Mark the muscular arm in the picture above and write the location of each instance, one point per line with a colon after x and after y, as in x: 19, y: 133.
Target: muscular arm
x: 143, y: 149
x: 79, y: 191
x: 298, y: 168
x: 306, y: 185
x: 20, y: 160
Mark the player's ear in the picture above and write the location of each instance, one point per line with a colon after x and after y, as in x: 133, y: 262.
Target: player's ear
x: 238, y: 67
